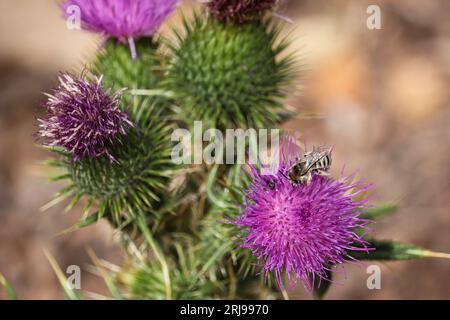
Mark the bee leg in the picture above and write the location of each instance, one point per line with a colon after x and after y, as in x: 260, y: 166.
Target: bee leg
x: 298, y: 182
x: 283, y: 174
x: 308, y: 179
x: 322, y: 173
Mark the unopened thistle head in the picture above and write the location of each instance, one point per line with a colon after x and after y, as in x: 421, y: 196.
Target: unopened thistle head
x: 301, y: 230
x: 230, y: 76
x: 239, y: 11
x: 125, y: 20
x: 83, y: 118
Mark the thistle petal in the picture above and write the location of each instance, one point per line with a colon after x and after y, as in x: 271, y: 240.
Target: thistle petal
x: 123, y: 19
x: 83, y: 118
x: 301, y: 230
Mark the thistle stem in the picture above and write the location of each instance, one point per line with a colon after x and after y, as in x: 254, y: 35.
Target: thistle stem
x: 132, y: 48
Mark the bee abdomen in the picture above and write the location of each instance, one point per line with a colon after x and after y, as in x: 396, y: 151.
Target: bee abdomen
x: 323, y: 164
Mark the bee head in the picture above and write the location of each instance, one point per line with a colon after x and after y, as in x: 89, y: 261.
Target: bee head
x: 302, y: 167
x: 299, y: 169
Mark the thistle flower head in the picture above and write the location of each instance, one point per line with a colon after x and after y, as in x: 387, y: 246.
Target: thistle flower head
x: 228, y: 75
x: 301, y: 230
x: 122, y: 19
x: 83, y: 118
x: 239, y: 11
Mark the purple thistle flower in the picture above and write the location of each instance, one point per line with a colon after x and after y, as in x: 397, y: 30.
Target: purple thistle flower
x: 240, y: 11
x: 83, y: 118
x: 125, y: 20
x: 301, y: 230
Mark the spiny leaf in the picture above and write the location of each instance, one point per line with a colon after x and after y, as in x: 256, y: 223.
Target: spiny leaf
x: 114, y: 291
x: 322, y: 286
x: 10, y: 293
x: 83, y: 223
x: 159, y: 255
x: 390, y: 250
x: 380, y: 211
x: 70, y: 293
x: 146, y: 279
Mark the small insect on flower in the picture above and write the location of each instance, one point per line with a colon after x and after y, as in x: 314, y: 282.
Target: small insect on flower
x: 83, y: 118
x: 302, y: 230
x: 315, y: 162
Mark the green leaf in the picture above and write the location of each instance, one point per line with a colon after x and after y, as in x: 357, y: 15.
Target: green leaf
x: 83, y: 223
x: 390, y: 250
x: 159, y: 256
x: 320, y: 292
x: 380, y: 211
x: 10, y: 293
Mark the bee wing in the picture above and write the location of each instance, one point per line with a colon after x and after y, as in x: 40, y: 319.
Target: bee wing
x: 324, y: 149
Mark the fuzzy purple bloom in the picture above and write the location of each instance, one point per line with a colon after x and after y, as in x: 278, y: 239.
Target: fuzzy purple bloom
x: 125, y: 20
x: 83, y: 118
x: 122, y: 19
x: 240, y: 11
x: 301, y: 230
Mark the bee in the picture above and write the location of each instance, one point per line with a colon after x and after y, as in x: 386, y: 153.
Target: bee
x: 317, y: 161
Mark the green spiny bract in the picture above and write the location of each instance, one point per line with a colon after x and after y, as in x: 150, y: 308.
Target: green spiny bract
x: 177, y: 276
x: 134, y: 185
x: 217, y: 240
x: 137, y: 182
x: 229, y: 76
x: 120, y: 71
x: 216, y: 245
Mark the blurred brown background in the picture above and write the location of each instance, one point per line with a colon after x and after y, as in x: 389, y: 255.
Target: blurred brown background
x: 381, y: 97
